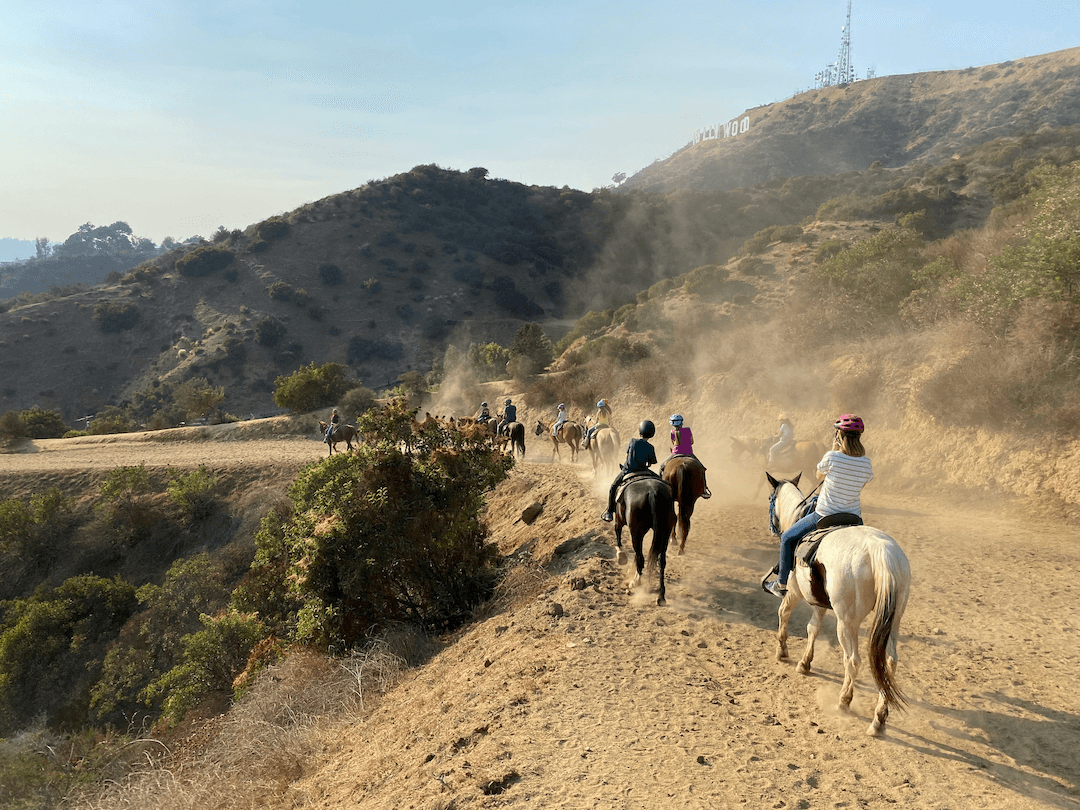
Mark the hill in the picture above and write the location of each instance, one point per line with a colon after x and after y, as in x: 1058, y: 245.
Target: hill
x: 892, y: 120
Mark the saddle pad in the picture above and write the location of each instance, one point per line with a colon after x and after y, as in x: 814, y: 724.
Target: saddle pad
x: 631, y: 478
x: 808, y: 546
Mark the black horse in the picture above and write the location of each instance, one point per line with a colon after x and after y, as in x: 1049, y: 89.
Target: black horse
x: 646, y: 503
x: 514, y: 436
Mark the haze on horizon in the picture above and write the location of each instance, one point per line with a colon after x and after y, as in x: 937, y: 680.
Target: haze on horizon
x: 187, y: 115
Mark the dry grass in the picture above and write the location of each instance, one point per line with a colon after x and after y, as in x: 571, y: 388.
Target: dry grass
x: 251, y: 756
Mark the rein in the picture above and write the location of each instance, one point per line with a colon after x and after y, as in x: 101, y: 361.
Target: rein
x: 801, y: 511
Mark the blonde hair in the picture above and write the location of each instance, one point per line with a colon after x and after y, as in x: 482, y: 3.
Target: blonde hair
x: 849, y: 443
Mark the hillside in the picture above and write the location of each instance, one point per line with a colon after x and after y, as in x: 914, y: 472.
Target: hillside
x: 892, y: 120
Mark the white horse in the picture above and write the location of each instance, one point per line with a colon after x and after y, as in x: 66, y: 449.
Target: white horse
x: 858, y: 569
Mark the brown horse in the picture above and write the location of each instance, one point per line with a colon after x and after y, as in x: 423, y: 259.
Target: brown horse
x: 342, y: 433
x: 803, y: 457
x: 569, y: 433
x: 686, y: 477
x: 646, y: 503
x: 604, y: 448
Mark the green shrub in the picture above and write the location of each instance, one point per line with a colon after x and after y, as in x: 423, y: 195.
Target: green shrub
x: 311, y: 387
x: 212, y: 657
x: 356, y: 401
x: 272, y: 228
x: 588, y: 324
x: 827, y: 249
x: 52, y: 646
x: 269, y: 332
x: 531, y: 342
x: 43, y: 424
x: 116, y: 316
x: 281, y: 291
x: 203, y: 261
x: 331, y: 275
x: 194, y: 492
x: 111, y: 420
x: 197, y: 398
x: 761, y: 240
x: 385, y: 535
x: 152, y: 644
x: 12, y: 427
x: 706, y: 282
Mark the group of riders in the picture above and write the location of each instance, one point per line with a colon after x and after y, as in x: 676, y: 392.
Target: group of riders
x: 842, y: 472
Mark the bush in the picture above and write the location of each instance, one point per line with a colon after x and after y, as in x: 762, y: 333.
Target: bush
x: 706, y: 282
x: 272, y: 228
x: 311, y: 387
x: 386, y: 536
x: 761, y: 240
x: 12, y: 427
x: 357, y: 401
x: 281, y: 291
x: 331, y: 275
x: 269, y: 332
x: 530, y: 341
x: 52, y: 646
x: 111, y: 420
x: 116, y: 316
x: 193, y: 492
x: 588, y: 324
x: 197, y: 397
x: 205, y: 260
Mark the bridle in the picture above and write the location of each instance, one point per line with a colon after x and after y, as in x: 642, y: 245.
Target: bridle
x: 801, y: 511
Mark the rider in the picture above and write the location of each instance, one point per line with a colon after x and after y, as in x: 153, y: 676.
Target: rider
x: 509, y: 415
x: 846, y: 469
x: 334, y: 419
x: 603, y: 418
x: 559, y: 421
x: 485, y: 414
x: 640, y: 455
x: 682, y: 444
x: 787, y: 439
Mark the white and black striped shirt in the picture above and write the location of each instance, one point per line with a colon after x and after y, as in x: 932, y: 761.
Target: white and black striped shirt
x: 845, y: 477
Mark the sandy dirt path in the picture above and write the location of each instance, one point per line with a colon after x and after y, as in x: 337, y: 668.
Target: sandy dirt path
x: 583, y: 695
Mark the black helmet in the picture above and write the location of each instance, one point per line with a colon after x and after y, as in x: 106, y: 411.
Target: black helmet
x: 483, y: 404
x: 647, y: 429
x: 507, y: 401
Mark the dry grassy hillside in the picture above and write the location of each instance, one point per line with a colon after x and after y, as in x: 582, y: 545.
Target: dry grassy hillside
x: 892, y: 120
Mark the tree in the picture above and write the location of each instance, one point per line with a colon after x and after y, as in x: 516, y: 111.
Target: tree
x: 197, y: 397
x: 530, y: 341
x: 312, y: 387
x: 41, y: 245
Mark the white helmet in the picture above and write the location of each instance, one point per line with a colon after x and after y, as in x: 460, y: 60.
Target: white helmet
x: 676, y: 419
x: 562, y: 407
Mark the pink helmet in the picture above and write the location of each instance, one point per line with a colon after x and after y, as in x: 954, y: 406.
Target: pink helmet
x: 849, y: 422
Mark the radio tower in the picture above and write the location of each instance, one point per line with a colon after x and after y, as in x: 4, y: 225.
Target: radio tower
x: 841, y: 71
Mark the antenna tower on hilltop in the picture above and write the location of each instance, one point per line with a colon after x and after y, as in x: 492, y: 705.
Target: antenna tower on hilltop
x: 841, y: 71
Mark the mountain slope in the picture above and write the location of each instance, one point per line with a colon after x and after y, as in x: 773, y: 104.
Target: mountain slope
x: 892, y: 120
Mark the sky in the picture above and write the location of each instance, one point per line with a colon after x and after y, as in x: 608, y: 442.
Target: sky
x: 180, y: 116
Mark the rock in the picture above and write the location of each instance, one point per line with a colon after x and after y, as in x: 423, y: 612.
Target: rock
x: 531, y: 512
x: 577, y: 584
x: 556, y: 610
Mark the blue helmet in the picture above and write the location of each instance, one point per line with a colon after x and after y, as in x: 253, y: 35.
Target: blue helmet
x: 676, y: 419
x: 601, y: 404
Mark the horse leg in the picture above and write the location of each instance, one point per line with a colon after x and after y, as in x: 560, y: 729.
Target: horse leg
x: 686, y: 511
x: 812, y: 628
x: 618, y: 542
x: 787, y: 605
x: 847, y: 632
x: 662, y: 557
x: 638, y: 537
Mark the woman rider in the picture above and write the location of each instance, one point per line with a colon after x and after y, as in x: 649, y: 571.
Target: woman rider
x: 682, y: 444
x: 846, y: 469
x: 603, y: 419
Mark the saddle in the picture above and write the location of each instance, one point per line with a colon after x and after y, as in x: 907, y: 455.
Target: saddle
x: 631, y: 477
x: 808, y: 546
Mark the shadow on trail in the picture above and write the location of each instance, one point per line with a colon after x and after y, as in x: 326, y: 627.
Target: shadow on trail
x: 1046, y: 743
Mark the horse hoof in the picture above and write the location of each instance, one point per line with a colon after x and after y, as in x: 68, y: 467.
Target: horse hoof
x: 621, y: 559
x: 876, y: 729
x: 681, y: 551
x: 661, y: 602
x: 803, y: 669
x: 781, y: 655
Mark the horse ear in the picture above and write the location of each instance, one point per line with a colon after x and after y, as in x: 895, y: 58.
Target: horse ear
x: 795, y: 480
x: 772, y: 481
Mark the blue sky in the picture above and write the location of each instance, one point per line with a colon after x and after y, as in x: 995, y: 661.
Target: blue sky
x: 180, y: 116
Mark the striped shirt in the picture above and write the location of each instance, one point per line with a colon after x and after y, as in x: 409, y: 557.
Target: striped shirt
x: 845, y: 477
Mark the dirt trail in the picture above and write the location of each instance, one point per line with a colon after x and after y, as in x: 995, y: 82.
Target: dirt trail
x: 592, y: 697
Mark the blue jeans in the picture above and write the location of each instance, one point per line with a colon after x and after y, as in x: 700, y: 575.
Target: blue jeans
x: 790, y: 539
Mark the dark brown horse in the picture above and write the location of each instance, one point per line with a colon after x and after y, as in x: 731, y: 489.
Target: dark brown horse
x: 686, y: 477
x: 604, y: 448
x: 569, y: 433
x: 645, y: 504
x: 342, y: 433
x: 513, y: 436
x: 803, y: 457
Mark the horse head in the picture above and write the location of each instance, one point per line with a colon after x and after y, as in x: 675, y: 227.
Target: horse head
x: 539, y: 427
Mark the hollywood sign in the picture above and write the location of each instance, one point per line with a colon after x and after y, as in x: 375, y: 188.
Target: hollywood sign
x: 736, y: 126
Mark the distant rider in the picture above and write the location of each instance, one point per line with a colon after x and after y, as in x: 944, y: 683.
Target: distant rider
x: 485, y: 414
x: 682, y: 444
x: 509, y: 415
x: 334, y: 420
x: 787, y: 440
x: 640, y: 455
x: 603, y: 419
x: 846, y: 469
x: 559, y: 421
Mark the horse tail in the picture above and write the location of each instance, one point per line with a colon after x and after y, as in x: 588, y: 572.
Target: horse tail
x: 891, y: 579
x: 663, y: 521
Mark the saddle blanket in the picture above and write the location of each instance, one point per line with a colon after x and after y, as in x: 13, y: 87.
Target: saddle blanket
x: 631, y: 478
x: 808, y: 546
